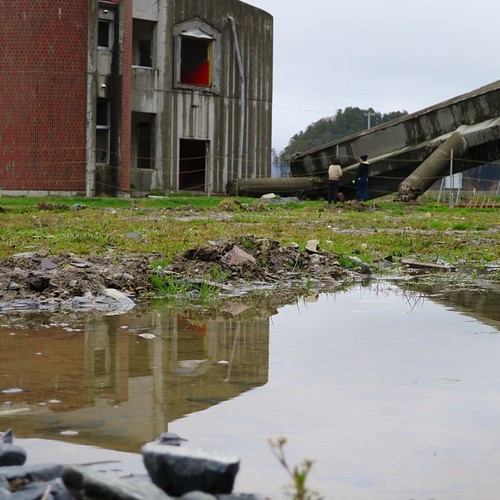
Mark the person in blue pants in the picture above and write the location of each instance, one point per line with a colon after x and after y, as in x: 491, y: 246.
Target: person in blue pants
x: 362, y: 179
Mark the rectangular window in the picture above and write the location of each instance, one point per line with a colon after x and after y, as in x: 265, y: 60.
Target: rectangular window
x: 195, y: 61
x: 105, y: 34
x: 142, y: 42
x: 103, y: 128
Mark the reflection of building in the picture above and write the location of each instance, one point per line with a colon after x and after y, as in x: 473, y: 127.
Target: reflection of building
x: 118, y: 388
x: 119, y: 97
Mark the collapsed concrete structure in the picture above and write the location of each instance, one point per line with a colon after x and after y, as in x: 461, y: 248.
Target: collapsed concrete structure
x: 406, y: 155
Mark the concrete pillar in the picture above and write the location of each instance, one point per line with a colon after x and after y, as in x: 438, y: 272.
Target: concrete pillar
x: 434, y: 167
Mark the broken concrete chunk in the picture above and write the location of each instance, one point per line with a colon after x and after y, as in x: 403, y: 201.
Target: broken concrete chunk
x: 312, y: 246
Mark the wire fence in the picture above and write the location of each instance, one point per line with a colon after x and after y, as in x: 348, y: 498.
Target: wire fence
x: 478, y: 175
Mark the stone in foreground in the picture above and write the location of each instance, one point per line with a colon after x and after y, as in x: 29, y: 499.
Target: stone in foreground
x: 10, y: 454
x: 181, y: 470
x: 87, y: 484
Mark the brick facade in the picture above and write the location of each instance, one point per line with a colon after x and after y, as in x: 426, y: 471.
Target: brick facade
x: 126, y: 98
x: 43, y: 89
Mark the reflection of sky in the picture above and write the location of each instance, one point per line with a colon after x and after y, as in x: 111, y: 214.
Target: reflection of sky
x: 393, y: 397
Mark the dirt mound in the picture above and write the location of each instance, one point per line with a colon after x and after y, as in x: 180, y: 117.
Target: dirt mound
x: 238, y: 265
x: 260, y: 259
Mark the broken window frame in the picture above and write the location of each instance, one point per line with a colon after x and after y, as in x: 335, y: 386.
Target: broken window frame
x: 200, y: 31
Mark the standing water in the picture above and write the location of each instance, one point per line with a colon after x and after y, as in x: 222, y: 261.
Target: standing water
x: 394, y: 394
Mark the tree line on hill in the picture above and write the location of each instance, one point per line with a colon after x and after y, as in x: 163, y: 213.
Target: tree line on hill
x: 344, y: 122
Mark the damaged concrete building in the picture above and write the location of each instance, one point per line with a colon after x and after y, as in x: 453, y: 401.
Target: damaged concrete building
x: 130, y: 97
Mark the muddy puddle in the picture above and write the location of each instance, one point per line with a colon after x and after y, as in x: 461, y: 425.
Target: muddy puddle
x: 391, y: 388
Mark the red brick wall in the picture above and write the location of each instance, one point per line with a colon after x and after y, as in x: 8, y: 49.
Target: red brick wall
x: 43, y: 87
x: 126, y: 88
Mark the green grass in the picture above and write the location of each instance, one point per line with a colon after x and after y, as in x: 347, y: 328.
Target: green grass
x: 173, y: 224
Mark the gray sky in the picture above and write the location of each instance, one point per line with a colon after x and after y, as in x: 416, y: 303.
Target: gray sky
x: 390, y: 55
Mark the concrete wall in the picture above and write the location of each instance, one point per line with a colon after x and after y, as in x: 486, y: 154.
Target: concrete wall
x: 210, y: 114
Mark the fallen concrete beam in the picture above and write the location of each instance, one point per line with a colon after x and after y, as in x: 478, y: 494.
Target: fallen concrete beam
x: 283, y: 186
x: 437, y: 165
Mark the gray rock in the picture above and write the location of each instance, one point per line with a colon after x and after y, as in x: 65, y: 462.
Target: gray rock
x: 11, y: 454
x: 32, y: 473
x: 19, y: 305
x: 170, y: 438
x: 47, y: 264
x: 362, y: 267
x: 110, y: 300
x: 88, y: 484
x: 179, y: 470
x: 238, y: 257
x: 116, y: 300
x: 81, y: 303
x: 6, y: 436
x: 315, y: 258
x: 133, y: 236
x: 24, y: 255
x: 13, y: 286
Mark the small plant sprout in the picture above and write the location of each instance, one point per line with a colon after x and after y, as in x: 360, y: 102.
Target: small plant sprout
x: 298, y: 489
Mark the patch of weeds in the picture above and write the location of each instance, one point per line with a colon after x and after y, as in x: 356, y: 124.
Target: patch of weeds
x: 174, y: 287
x: 299, y: 474
x: 219, y: 275
x: 247, y: 243
x: 460, y: 226
x: 207, y: 292
x: 169, y: 285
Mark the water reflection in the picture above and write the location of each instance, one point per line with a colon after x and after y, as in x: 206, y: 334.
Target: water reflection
x: 392, y: 389
x: 119, y: 380
x: 481, y: 303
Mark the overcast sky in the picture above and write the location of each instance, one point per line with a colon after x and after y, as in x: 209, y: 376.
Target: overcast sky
x: 389, y: 55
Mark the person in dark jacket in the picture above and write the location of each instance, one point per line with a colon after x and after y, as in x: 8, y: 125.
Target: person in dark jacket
x: 362, y: 179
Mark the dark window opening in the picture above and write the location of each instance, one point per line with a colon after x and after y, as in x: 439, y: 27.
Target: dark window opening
x: 144, y: 145
x: 103, y: 132
x: 143, y: 35
x: 192, y: 164
x: 145, y: 58
x: 105, y: 34
x: 195, y: 61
